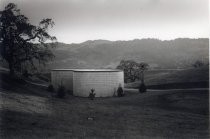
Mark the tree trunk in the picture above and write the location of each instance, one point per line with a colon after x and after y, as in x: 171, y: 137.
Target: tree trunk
x: 142, y: 77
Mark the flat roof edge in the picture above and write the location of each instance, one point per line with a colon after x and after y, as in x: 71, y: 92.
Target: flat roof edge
x: 89, y: 70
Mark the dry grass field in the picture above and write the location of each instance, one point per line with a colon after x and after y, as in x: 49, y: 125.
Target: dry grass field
x: 166, y: 114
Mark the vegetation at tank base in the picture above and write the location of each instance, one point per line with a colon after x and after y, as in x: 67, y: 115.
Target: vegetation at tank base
x: 115, y: 92
x: 50, y: 88
x: 142, y: 88
x: 69, y: 92
x: 18, y: 38
x: 61, y: 92
x: 26, y: 74
x: 120, y: 92
x: 92, y: 94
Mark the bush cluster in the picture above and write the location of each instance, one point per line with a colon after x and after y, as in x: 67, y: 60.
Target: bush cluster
x: 142, y: 88
x: 61, y: 92
x: 92, y: 94
x: 120, y: 92
x: 50, y: 88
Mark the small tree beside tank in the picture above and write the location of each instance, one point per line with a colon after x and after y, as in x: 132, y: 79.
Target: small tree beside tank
x: 131, y: 70
x: 134, y: 71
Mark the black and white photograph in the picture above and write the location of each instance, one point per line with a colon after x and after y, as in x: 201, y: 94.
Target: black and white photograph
x: 104, y: 69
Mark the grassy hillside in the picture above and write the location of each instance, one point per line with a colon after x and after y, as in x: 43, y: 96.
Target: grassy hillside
x: 179, y: 53
x: 28, y: 111
x: 160, y: 78
x: 172, y: 78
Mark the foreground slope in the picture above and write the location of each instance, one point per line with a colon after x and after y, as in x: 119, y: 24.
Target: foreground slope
x: 28, y: 111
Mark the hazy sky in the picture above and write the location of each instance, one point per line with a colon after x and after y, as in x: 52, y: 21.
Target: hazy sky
x: 81, y: 20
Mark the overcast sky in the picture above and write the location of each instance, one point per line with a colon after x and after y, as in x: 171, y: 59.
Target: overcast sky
x: 80, y: 20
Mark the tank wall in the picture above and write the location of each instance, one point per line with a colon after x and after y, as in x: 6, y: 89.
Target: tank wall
x: 104, y: 83
x: 64, y: 78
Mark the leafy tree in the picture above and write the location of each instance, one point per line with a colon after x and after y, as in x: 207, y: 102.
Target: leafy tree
x: 132, y: 70
x: 18, y: 38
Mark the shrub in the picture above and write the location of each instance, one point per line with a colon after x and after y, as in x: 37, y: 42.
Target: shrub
x: 70, y: 92
x: 50, y: 88
x: 120, y: 92
x: 61, y: 91
x: 43, y: 77
x: 26, y: 74
x: 142, y: 88
x: 92, y: 94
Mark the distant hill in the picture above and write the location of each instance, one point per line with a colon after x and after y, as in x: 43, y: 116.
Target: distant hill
x: 178, y: 53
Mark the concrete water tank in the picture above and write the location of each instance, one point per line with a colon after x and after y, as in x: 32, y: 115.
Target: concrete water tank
x: 80, y: 81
